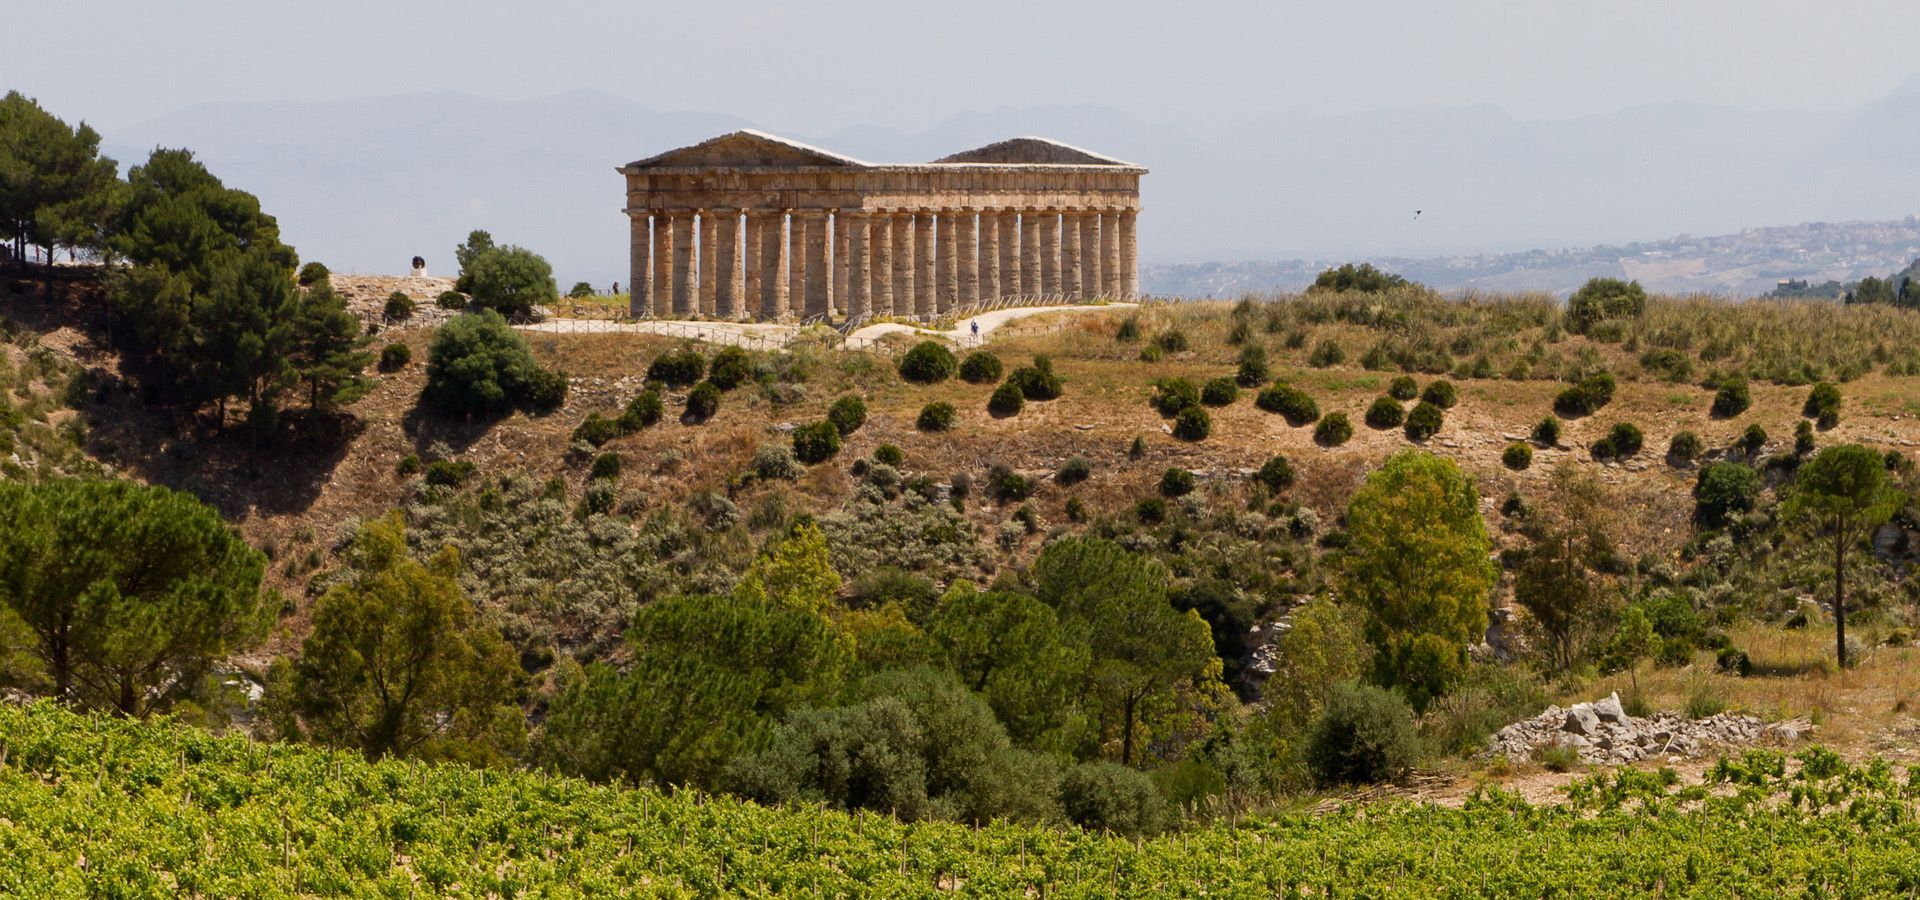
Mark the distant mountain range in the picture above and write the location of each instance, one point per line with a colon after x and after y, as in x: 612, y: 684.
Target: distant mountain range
x: 364, y: 184
x: 1749, y: 263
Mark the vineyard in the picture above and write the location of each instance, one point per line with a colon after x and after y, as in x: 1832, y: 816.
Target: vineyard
x: 102, y: 807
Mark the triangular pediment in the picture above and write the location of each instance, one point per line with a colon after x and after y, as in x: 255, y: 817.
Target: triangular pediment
x: 746, y: 150
x: 1033, y: 151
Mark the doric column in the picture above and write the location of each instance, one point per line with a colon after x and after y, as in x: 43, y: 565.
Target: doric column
x: 773, y: 265
x: 967, y: 252
x: 709, y: 261
x: 797, y: 263
x: 726, y: 263
x: 859, y: 267
x: 1009, y: 254
x: 837, y: 295
x: 1089, y: 255
x: 947, y: 292
x: 639, y: 268
x: 1030, y: 285
x: 880, y: 280
x: 903, y: 265
x: 990, y: 224
x: 686, y: 279
x: 1070, y: 254
x: 819, y: 290
x: 1049, y: 252
x: 1129, y: 257
x: 924, y: 288
x: 662, y: 292
x: 752, y: 304
x: 1110, y: 254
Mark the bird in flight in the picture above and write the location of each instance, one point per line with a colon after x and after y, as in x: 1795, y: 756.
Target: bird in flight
x: 1416, y: 213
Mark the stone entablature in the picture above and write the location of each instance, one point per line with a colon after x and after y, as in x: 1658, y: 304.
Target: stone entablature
x: 803, y: 233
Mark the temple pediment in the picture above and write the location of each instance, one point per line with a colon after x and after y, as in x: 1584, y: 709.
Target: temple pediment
x: 746, y: 149
x: 1032, y: 151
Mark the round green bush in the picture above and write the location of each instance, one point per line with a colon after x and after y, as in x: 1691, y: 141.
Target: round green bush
x: 394, y: 357
x: 1441, y: 393
x: 1171, y: 395
x: 929, y: 362
x: 1403, y: 387
x: 816, y: 442
x: 1803, y: 442
x: 1621, y: 441
x: 477, y: 364
x: 1036, y: 382
x: 1586, y: 396
x: 1326, y: 354
x: 981, y: 367
x: 643, y: 411
x: 1731, y: 399
x: 1604, y: 299
x: 1364, y: 735
x: 1685, y: 447
x: 1152, y: 353
x: 1193, y: 424
x: 449, y: 472
x: 1823, y: 405
x: 596, y: 429
x: 547, y: 391
x: 1219, y: 392
x: 1007, y: 400
x: 606, y: 465
x: 677, y: 368
x: 1275, y: 473
x: 888, y: 454
x: 1290, y: 402
x: 1722, y: 492
x: 1173, y: 340
x: 732, y: 367
x: 1104, y: 796
x: 1074, y: 471
x: 1752, y: 440
x: 1151, y: 511
x: 1128, y: 332
x: 450, y: 300
x: 1252, y: 370
x: 1007, y: 486
x: 311, y: 273
x: 1547, y: 433
x: 1424, y: 421
x: 1517, y: 457
x: 580, y: 291
x: 399, y: 306
x: 1333, y: 430
x: 1385, y: 413
x: 936, y: 416
x: 702, y: 402
x: 1176, y: 482
x: 847, y: 414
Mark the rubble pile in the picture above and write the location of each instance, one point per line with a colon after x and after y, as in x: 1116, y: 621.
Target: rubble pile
x: 1603, y: 734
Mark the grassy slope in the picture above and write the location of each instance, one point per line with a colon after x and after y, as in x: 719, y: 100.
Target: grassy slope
x: 106, y: 807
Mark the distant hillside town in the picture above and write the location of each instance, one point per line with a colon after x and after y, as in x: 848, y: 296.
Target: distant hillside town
x: 1812, y: 258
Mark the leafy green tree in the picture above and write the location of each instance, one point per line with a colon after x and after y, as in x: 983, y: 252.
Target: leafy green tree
x: 1633, y: 641
x: 1417, y: 560
x: 1604, y: 299
x: 132, y: 592
x: 797, y: 574
x: 1153, y: 667
x: 1561, y: 581
x: 1871, y: 290
x: 328, y: 351
x: 1325, y: 646
x: 477, y: 364
x: 1363, y: 277
x: 56, y: 190
x: 507, y: 279
x: 1010, y: 648
x: 398, y: 664
x: 1845, y: 493
x: 1722, y: 491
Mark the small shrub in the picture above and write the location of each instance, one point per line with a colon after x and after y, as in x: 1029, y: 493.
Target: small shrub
x: 1074, y: 471
x: 677, y: 368
x: 1752, y: 440
x: 816, y: 442
x: 1173, y: 340
x: 1171, y: 395
x: 702, y: 402
x: 1128, y: 332
x: 1722, y: 492
x: 1007, y: 400
x: 1176, y: 482
x: 1137, y: 449
x: 1385, y: 413
x: 1685, y: 447
x: 1441, y: 393
x: 399, y: 306
x: 929, y: 362
x: 1104, y: 796
x: 981, y: 367
x: 775, y: 462
x: 847, y: 414
x: 1290, y: 402
x: 1403, y: 387
x: 1326, y: 354
x: 312, y: 273
x: 1219, y: 392
x: 450, y: 300
x: 1557, y: 757
x: 1731, y: 660
x: 1193, y: 424
x: 596, y: 429
x: 889, y: 455
x: 1152, y: 353
x: 1704, y: 701
x: 1732, y: 398
x: 1007, y: 486
x: 1276, y: 474
x: 1364, y: 735
x: 1036, y: 382
x: 606, y: 465
x: 643, y: 411
x: 1517, y: 457
x: 1602, y: 300
x: 1334, y: 429
x: 936, y: 416
x: 732, y: 367
x: 1823, y: 405
x: 1252, y: 370
x: 580, y: 290
x: 1586, y: 397
x: 1621, y: 441
x: 1547, y: 432
x: 448, y: 472
x: 1151, y: 511
x: 408, y: 465
x: 546, y: 390
x: 394, y: 357
x: 1424, y: 421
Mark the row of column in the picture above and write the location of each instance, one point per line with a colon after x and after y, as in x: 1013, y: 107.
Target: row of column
x: 854, y: 263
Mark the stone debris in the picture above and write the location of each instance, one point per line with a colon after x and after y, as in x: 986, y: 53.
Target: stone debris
x: 367, y: 295
x: 1603, y: 734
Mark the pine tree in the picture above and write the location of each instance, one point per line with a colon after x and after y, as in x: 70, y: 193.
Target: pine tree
x: 327, y: 349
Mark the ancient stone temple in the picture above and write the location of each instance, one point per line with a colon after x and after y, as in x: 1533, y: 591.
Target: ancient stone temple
x: 752, y: 226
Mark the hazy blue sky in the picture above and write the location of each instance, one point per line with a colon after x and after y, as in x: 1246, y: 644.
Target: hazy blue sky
x: 816, y: 66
